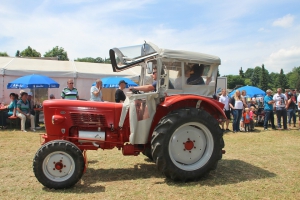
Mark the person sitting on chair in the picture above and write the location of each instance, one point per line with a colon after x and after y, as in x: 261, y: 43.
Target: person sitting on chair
x: 196, y: 76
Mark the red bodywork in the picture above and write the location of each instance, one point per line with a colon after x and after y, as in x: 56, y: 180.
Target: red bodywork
x: 64, y: 119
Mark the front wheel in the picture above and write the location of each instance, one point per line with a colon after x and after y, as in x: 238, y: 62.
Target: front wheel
x: 58, y: 164
x: 187, y: 144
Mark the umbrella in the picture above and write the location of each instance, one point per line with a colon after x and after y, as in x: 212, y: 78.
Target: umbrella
x: 33, y: 81
x: 251, y: 91
x: 113, y: 82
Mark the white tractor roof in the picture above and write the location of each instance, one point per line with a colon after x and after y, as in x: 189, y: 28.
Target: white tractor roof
x: 186, y: 55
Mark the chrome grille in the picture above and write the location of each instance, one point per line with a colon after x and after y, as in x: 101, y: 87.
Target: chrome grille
x: 88, y: 120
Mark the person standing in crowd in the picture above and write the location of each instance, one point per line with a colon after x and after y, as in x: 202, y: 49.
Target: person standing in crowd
x: 70, y: 92
x: 268, y: 108
x: 96, y: 91
x: 252, y: 115
x: 290, y: 106
x: 246, y: 116
x: 236, y: 105
x: 225, y: 100
x: 294, y: 98
x: 119, y: 95
x: 298, y: 103
x: 23, y: 109
x: 243, y: 96
x: 280, y: 103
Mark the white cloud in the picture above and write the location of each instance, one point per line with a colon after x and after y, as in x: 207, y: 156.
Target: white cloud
x: 285, y: 22
x: 285, y: 59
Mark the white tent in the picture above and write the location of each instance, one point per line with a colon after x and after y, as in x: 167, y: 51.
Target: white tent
x: 83, y: 73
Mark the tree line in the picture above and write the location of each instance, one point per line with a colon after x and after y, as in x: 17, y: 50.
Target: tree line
x: 260, y: 77
x: 55, y: 52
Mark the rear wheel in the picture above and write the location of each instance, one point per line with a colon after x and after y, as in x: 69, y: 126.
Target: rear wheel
x: 187, y: 144
x: 147, y: 152
x: 58, y: 164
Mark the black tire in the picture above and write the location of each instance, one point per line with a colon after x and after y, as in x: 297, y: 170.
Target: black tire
x: 147, y: 152
x: 58, y: 164
x: 177, y: 156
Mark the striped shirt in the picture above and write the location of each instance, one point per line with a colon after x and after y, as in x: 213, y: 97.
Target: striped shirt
x: 24, y: 107
x: 69, y: 94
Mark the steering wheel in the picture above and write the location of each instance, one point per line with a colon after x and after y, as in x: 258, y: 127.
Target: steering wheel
x: 134, y: 91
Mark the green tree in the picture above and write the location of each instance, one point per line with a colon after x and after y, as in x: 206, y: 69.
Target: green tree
x: 248, y: 73
x: 255, y: 78
x: 293, y: 77
x: 218, y: 73
x: 90, y: 59
x: 272, y: 84
x: 107, y: 60
x: 58, y: 52
x: 17, y: 53
x: 264, y: 78
x: 234, y: 80
x: 282, y: 80
x: 30, y: 52
x: 4, y: 54
x: 241, y: 73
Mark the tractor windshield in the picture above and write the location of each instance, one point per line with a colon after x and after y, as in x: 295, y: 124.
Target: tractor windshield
x: 127, y: 57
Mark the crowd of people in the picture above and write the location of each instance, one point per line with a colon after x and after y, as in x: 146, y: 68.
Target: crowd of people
x: 245, y: 113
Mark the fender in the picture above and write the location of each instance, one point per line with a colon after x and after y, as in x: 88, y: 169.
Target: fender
x: 206, y: 103
x: 175, y: 102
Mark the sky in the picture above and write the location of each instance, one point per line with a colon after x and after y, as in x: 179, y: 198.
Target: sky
x: 244, y: 34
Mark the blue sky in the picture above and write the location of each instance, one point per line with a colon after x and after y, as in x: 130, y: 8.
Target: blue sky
x: 244, y: 34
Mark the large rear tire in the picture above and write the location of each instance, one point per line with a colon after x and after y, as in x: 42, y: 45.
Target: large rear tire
x: 187, y: 144
x: 58, y: 164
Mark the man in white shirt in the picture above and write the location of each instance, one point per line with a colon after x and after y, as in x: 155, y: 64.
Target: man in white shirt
x: 225, y: 100
x: 280, y: 103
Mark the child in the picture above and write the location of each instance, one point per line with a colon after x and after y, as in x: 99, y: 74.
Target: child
x: 252, y: 115
x: 246, y: 117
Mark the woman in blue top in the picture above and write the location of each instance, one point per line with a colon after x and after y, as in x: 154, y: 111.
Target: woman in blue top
x: 13, y: 104
x: 11, y: 110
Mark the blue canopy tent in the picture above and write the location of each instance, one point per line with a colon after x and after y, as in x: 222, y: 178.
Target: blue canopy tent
x: 251, y: 91
x: 113, y: 82
x: 33, y: 81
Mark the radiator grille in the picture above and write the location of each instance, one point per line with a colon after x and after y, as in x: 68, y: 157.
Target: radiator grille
x: 88, y: 120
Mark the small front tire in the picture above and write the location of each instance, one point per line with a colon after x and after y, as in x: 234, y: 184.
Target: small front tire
x: 58, y: 164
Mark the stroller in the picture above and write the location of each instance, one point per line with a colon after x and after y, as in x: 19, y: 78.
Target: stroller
x: 260, y: 117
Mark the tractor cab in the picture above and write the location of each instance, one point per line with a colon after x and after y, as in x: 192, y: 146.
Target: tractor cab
x: 177, y: 72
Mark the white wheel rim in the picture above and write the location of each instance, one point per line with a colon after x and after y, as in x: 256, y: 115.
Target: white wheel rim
x: 191, y: 146
x: 58, y: 166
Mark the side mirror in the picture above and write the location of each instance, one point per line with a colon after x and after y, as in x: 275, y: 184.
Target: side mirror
x: 149, y: 67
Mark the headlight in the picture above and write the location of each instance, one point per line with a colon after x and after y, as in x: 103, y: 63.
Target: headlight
x: 57, y: 119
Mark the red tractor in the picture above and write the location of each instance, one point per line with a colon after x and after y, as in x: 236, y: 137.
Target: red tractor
x: 176, y: 125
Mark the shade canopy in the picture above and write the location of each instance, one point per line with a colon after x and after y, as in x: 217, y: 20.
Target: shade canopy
x: 32, y: 81
x: 251, y: 91
x: 113, y: 82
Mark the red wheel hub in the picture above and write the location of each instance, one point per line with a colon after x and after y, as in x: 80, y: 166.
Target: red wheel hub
x: 58, y: 166
x: 189, y: 145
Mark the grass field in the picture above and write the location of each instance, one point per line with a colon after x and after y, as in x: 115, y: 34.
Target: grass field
x: 258, y: 165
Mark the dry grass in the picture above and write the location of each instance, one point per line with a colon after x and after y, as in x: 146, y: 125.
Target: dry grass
x: 260, y: 165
